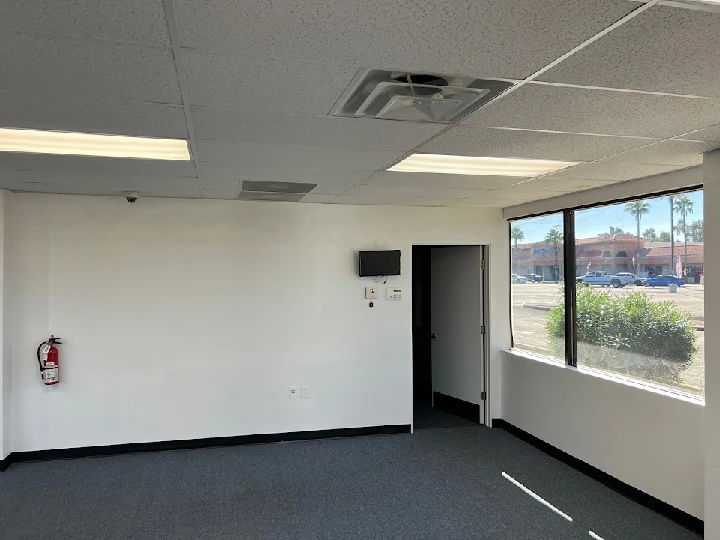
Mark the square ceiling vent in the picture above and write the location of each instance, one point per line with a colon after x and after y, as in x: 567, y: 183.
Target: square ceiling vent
x: 416, y: 97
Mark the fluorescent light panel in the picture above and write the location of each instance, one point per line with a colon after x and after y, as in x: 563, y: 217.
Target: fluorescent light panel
x: 478, y: 166
x: 86, y: 144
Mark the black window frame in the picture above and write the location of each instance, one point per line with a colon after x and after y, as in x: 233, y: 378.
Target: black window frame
x: 569, y: 261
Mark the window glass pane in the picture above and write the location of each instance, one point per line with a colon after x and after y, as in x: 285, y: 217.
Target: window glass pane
x: 536, y: 248
x: 640, y: 294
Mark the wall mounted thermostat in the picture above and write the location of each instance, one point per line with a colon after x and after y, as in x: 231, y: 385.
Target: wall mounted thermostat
x: 371, y: 293
x: 393, y: 293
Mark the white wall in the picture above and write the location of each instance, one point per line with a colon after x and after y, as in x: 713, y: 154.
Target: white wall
x: 646, y: 439
x: 188, y: 319
x: 711, y: 168
x: 5, y: 374
x: 456, y: 306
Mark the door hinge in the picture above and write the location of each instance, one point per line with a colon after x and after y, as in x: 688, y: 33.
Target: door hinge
x: 483, y: 396
x: 482, y: 264
x: 482, y: 330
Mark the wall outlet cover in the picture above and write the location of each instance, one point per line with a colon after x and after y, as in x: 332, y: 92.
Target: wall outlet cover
x: 304, y: 392
x: 371, y: 293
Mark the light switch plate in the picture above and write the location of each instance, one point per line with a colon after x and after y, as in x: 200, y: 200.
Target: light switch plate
x: 393, y: 293
x: 371, y: 293
x: 304, y: 392
x: 292, y: 392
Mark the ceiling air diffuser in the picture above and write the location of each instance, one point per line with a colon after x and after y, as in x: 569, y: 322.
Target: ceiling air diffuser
x: 394, y: 95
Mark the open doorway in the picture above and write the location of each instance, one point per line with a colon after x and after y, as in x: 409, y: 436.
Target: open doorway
x: 448, y: 336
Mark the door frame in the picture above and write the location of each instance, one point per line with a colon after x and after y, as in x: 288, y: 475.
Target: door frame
x: 485, y: 353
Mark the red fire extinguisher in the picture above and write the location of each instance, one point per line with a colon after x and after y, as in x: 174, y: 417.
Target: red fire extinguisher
x: 49, y: 361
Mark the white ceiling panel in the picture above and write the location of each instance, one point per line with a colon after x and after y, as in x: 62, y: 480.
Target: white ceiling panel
x: 617, y: 172
x: 412, y: 193
x: 496, y: 200
x: 140, y: 183
x: 711, y: 134
x: 66, y: 113
x: 88, y: 68
x: 473, y: 37
x: 219, y: 184
x: 677, y: 152
x: 268, y: 84
x: 258, y: 155
x: 664, y: 49
x: 324, y: 131
x: 582, y: 110
x: 469, y: 141
x: 317, y: 198
x: 229, y: 194
x: 230, y: 171
x: 141, y: 21
x: 90, y: 164
x: 555, y: 185
x: 445, y: 181
x: 377, y: 200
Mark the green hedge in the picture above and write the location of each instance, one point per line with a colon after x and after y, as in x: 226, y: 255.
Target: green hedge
x: 629, y: 322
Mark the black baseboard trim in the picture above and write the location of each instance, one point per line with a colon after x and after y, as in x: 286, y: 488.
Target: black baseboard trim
x: 458, y: 407
x: 661, y: 507
x: 161, y: 446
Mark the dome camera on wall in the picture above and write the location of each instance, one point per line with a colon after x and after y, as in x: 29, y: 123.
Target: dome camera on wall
x: 131, y: 196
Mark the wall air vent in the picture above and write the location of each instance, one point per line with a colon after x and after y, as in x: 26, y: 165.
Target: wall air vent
x: 416, y: 97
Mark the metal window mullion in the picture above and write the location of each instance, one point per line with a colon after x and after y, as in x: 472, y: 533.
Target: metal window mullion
x: 569, y: 267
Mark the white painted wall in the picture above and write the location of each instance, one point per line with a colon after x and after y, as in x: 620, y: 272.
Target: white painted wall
x: 711, y: 168
x: 646, y: 439
x: 456, y: 306
x: 5, y: 321
x: 190, y: 318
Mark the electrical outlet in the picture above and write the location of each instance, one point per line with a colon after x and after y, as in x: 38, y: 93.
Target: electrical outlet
x: 293, y: 392
x: 371, y: 293
x: 304, y: 392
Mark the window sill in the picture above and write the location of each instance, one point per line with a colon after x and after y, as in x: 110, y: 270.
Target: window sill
x: 612, y: 377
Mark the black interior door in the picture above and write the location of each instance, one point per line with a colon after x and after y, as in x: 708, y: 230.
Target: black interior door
x: 422, y: 358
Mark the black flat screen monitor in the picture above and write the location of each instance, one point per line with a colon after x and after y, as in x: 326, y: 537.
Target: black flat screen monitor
x: 380, y: 263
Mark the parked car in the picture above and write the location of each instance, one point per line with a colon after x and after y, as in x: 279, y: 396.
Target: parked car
x: 631, y: 278
x: 663, y: 281
x: 518, y: 279
x: 602, y: 279
x: 535, y: 278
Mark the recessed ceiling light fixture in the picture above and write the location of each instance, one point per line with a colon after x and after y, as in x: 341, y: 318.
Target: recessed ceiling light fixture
x: 478, y: 166
x: 87, y: 144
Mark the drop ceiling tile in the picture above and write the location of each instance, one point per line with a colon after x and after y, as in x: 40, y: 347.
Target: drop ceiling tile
x: 317, y: 198
x: 91, y: 164
x: 582, y: 110
x: 469, y: 141
x: 268, y: 84
x: 617, y: 172
x: 218, y: 184
x: 21, y: 186
x: 230, y: 194
x: 138, y: 183
x: 325, y: 131
x: 481, y: 37
x: 498, y: 199
x: 412, y: 193
x: 260, y: 155
x: 66, y: 113
x: 140, y: 21
x: 711, y: 134
x: 87, y: 68
x: 235, y: 171
x: 377, y: 200
x: 678, y: 152
x: 432, y: 180
x: 664, y: 49
x: 557, y: 185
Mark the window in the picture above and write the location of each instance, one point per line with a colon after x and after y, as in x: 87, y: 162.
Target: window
x: 643, y: 327
x: 639, y: 314
x: 537, y: 275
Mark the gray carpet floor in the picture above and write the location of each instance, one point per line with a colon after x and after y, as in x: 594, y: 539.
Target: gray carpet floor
x: 436, y: 483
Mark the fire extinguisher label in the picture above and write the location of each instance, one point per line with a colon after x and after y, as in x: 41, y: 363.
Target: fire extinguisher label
x: 51, y: 374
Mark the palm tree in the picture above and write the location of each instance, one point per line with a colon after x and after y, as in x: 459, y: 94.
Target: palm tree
x: 554, y: 237
x: 637, y: 209
x: 516, y: 233
x: 684, y: 206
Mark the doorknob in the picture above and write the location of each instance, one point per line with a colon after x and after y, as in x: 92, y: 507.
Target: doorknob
x: 433, y: 336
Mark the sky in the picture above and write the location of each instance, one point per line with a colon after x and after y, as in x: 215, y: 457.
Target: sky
x: 594, y: 221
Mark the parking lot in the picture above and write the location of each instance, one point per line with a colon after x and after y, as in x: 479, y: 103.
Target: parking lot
x: 531, y: 302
